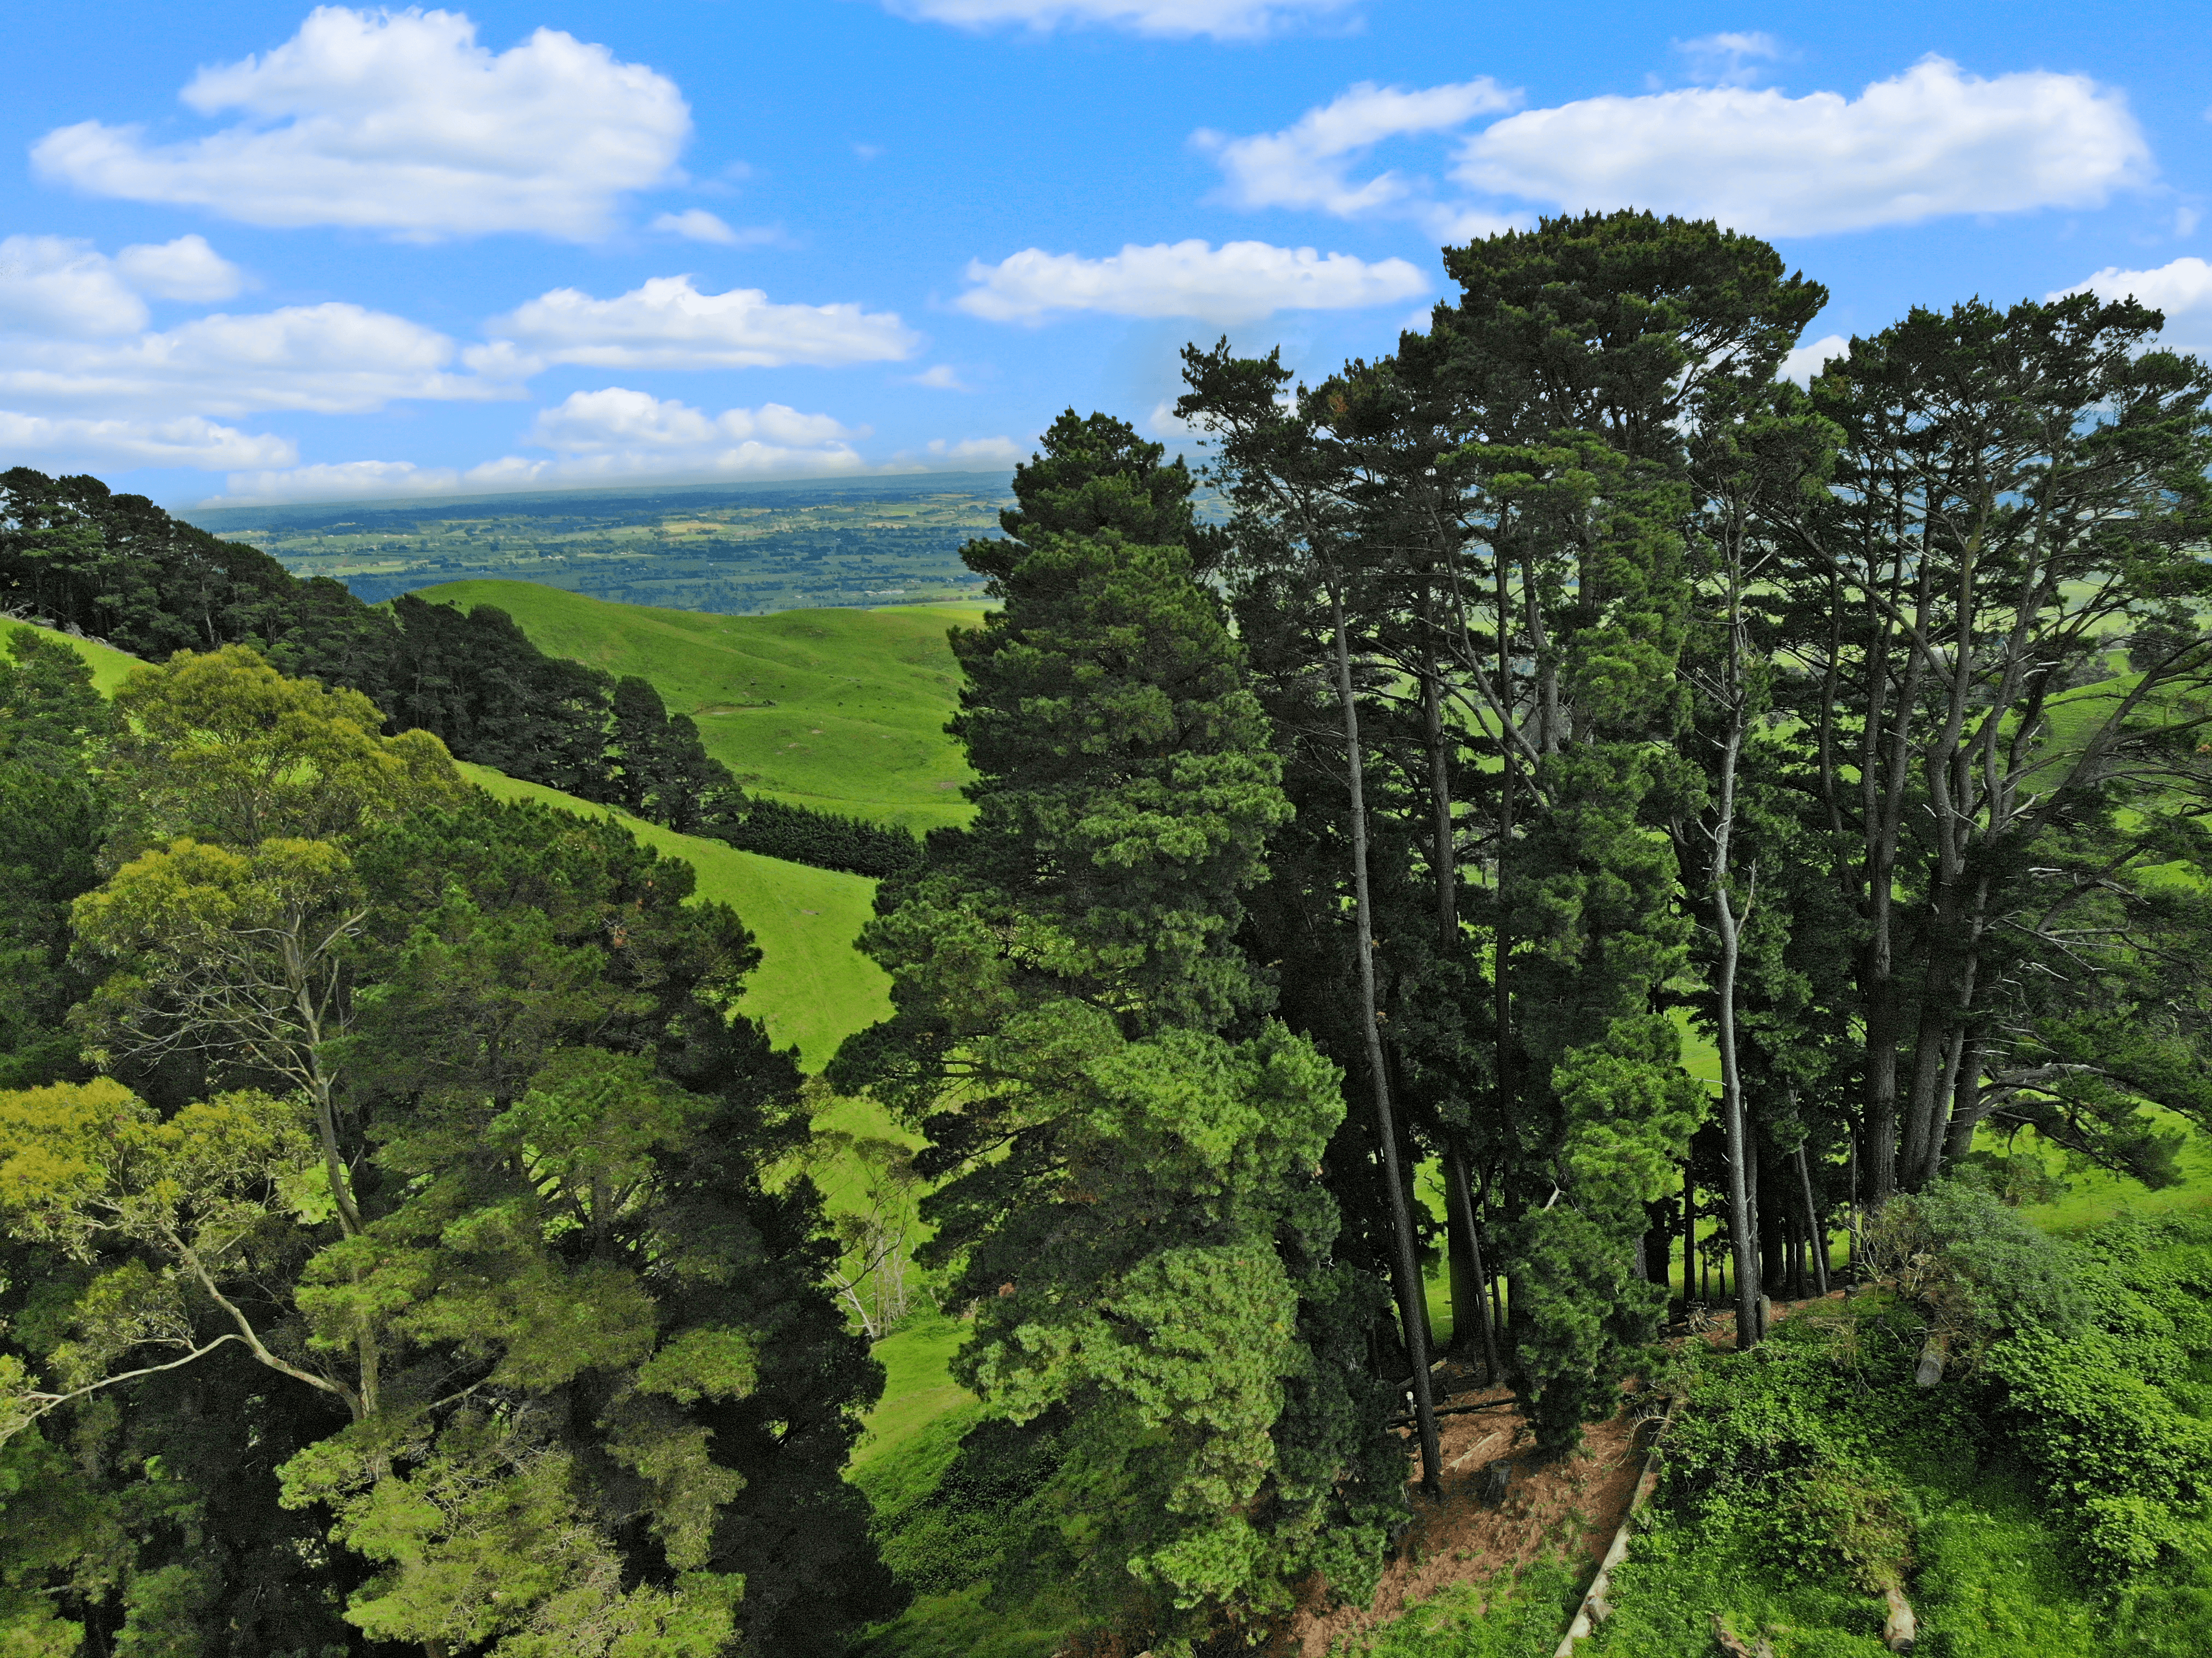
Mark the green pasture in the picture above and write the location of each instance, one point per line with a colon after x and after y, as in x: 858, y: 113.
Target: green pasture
x: 109, y: 665
x: 842, y: 710
x: 813, y: 989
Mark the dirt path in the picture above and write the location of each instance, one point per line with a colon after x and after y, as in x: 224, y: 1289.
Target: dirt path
x: 1575, y: 1504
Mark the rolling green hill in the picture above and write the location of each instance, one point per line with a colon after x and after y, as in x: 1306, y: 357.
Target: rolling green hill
x: 842, y: 710
x: 108, y: 665
x: 812, y: 988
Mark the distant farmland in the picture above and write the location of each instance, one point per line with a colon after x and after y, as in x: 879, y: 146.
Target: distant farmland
x: 741, y: 550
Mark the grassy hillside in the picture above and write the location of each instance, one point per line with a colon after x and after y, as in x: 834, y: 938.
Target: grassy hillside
x: 108, y: 664
x: 842, y: 710
x: 811, y: 988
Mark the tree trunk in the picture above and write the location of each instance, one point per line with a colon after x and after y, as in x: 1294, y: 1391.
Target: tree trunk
x: 1474, y: 1304
x: 1770, y: 1214
x: 1406, y: 1265
x: 1732, y: 1118
x: 1817, y: 1232
x: 1966, y: 1108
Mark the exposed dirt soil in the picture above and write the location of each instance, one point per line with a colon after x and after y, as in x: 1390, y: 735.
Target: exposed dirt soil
x: 1574, y: 1505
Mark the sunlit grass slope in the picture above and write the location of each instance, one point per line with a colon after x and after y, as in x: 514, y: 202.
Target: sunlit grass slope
x: 842, y: 710
x: 108, y: 664
x: 812, y: 988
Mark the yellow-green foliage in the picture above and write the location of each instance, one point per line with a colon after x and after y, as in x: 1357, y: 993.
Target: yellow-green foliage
x: 841, y: 710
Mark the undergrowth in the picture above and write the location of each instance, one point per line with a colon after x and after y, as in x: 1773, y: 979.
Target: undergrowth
x: 2052, y: 1498
x: 1518, y: 1616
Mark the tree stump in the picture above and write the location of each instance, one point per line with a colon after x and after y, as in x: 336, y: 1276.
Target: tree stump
x: 1496, y: 1481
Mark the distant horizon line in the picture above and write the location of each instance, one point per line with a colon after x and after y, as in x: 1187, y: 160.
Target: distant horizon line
x: 191, y: 512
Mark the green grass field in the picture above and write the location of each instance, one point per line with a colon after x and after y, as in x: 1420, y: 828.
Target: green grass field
x: 109, y: 665
x: 813, y: 989
x: 842, y: 710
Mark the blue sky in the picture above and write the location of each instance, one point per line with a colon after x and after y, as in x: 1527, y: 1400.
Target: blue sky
x: 257, y: 251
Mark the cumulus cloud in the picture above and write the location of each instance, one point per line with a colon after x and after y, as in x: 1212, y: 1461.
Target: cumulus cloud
x: 60, y: 285
x: 1930, y: 141
x: 1236, y: 282
x: 1222, y: 20
x: 56, y: 285
x: 941, y: 377
x: 400, y: 122
x: 330, y: 359
x: 1307, y: 164
x: 668, y: 322
x: 2182, y: 291
x: 613, y: 432
x: 69, y: 445
x: 975, y: 454
x: 185, y: 269
x: 1803, y: 361
x: 634, y: 426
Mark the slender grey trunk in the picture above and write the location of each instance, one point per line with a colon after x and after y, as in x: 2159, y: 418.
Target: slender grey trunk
x: 1724, y: 920
x: 1815, y: 1233
x: 1406, y: 1269
x: 1459, y: 1193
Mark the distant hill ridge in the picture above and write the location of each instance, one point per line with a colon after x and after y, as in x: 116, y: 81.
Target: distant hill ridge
x: 230, y: 520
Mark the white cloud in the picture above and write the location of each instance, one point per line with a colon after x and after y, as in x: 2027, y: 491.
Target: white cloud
x: 630, y: 426
x: 696, y: 224
x: 1730, y: 58
x: 2182, y: 291
x: 399, y: 121
x: 595, y: 436
x: 1802, y: 362
x: 70, y: 444
x: 1306, y: 164
x: 330, y: 359
x: 976, y: 454
x: 1451, y: 226
x: 669, y: 324
x: 349, y: 480
x: 1239, y: 282
x: 1930, y: 141
x: 941, y: 377
x: 1223, y: 20
x: 185, y: 269
x: 55, y: 285
x: 1164, y: 422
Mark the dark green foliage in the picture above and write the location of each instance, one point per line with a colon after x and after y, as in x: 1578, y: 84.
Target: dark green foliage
x: 1093, y: 473
x: 53, y: 818
x: 1128, y: 1196
x: 121, y: 569
x: 822, y: 838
